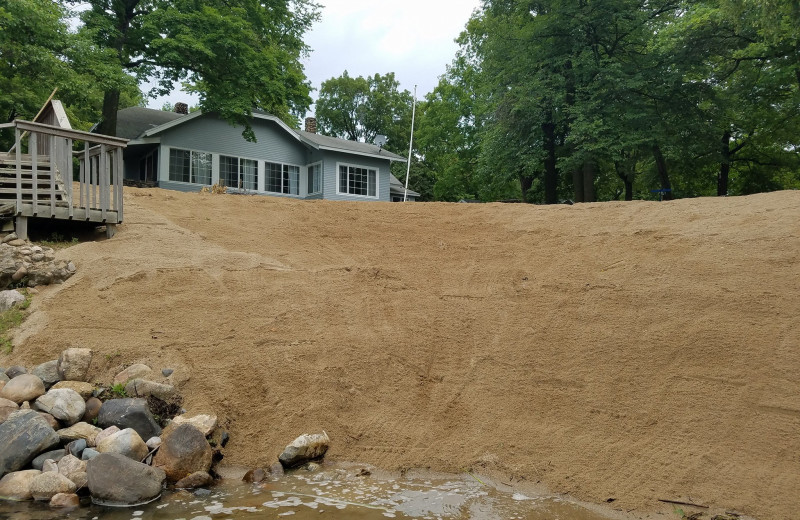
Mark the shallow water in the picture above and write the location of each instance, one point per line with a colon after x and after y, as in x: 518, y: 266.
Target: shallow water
x: 334, y: 493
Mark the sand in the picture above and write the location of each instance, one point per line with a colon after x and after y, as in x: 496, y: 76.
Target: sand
x: 629, y: 351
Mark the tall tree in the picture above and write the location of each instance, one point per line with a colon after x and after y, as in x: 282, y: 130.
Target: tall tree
x: 236, y: 55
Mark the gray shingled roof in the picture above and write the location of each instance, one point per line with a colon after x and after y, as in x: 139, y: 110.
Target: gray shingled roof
x: 334, y: 143
x: 134, y: 121
x: 397, y: 188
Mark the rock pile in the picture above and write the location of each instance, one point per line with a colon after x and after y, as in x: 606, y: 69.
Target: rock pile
x: 23, y: 263
x: 59, y: 441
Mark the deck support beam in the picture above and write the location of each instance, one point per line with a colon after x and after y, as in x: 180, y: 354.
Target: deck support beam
x: 21, y: 227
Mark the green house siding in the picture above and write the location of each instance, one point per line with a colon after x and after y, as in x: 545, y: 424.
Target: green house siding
x: 330, y: 176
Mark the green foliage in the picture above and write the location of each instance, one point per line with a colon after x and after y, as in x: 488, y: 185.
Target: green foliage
x: 58, y: 241
x: 235, y: 55
x: 11, y: 319
x: 118, y: 390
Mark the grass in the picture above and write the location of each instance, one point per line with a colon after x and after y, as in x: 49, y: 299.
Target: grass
x: 11, y: 319
x: 58, y: 241
x: 119, y: 390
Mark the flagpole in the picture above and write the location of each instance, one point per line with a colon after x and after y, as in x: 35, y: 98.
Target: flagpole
x: 411, y: 142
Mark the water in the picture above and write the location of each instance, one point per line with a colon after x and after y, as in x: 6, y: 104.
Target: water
x: 335, y: 493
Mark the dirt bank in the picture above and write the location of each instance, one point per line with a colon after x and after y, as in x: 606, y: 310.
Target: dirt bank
x: 633, y: 351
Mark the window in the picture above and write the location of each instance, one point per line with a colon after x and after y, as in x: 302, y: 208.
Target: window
x: 189, y: 166
x: 314, y: 178
x: 235, y: 172
x: 283, y: 178
x: 357, y: 180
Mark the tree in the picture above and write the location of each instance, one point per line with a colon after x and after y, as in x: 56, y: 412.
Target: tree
x: 360, y: 108
x: 236, y: 55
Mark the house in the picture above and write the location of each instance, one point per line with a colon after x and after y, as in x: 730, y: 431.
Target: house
x: 186, y: 152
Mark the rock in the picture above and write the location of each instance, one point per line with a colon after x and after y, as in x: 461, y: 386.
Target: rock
x: 105, y: 433
x: 2, y: 383
x: 66, y: 500
x: 153, y: 442
x: 204, y: 423
x: 195, y: 480
x: 25, y: 387
x: 89, y: 454
x: 54, y: 455
x: 3, y: 377
x: 7, y: 407
x: 137, y: 371
x: 129, y: 413
x: 16, y: 370
x: 255, y: 476
x: 183, y: 451
x: 48, y: 373
x: 73, y: 364
x: 145, y: 388
x: 24, y: 435
x: 76, y: 447
x: 276, y: 470
x: 19, y: 274
x: 64, y: 404
x: 125, y: 442
x: 83, y: 389
x: 49, y: 465
x: 44, y: 486
x: 311, y: 467
x: 9, y: 237
x: 93, y: 405
x: 52, y: 421
x: 70, y: 464
x: 80, y: 430
x: 17, y: 485
x: 304, y: 448
x: 115, y: 480
x: 166, y: 372
x: 16, y: 242
x: 10, y: 298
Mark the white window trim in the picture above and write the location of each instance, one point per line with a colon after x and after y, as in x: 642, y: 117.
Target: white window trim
x: 321, y: 177
x: 282, y: 164
x: 190, y: 150
x: 377, y: 195
x: 259, y: 166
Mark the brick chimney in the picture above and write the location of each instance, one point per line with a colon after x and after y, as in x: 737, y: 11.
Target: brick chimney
x: 181, y: 108
x: 311, y: 125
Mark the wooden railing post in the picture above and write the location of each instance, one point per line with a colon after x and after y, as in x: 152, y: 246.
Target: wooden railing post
x: 33, y: 148
x: 68, y: 179
x: 102, y: 181
x: 54, y: 160
x: 18, y: 146
x: 118, y: 193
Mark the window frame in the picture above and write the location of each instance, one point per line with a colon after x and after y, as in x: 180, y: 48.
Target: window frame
x: 191, y: 162
x: 284, y: 176
x: 240, y: 175
x: 377, y: 171
x: 308, y: 178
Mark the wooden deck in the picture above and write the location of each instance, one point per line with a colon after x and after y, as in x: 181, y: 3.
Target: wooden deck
x: 38, y: 183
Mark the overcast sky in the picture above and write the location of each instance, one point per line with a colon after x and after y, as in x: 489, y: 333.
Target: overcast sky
x: 412, y: 38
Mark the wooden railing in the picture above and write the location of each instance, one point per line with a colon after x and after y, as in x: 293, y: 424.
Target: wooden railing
x: 41, y: 181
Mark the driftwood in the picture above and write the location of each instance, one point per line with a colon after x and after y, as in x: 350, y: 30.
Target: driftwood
x: 678, y: 502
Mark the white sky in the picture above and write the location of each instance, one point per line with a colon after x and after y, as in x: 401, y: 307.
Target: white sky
x: 412, y: 38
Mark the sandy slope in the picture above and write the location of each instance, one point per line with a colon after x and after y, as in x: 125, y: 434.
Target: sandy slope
x: 634, y: 351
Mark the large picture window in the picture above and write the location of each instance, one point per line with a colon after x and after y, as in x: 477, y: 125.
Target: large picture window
x: 189, y: 166
x: 315, y: 179
x: 235, y: 172
x: 283, y: 178
x: 358, y: 180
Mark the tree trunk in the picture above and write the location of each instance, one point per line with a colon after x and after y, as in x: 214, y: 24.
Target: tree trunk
x: 577, y: 181
x: 589, y: 169
x: 525, y: 182
x: 725, y: 165
x: 550, y: 171
x: 108, y: 126
x: 625, y: 173
x: 663, y: 174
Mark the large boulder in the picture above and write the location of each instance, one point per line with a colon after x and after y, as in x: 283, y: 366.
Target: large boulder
x: 79, y: 430
x: 183, y: 451
x: 25, y: 387
x: 85, y: 390
x: 64, y: 404
x: 10, y: 298
x: 125, y: 442
x: 44, y: 486
x: 73, y: 364
x: 145, y: 388
x: 137, y: 371
x: 24, y: 435
x: 17, y: 485
x: 129, y: 413
x: 115, y: 480
x: 48, y: 373
x: 304, y: 448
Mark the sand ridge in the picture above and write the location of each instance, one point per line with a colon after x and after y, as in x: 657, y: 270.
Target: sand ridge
x: 632, y: 351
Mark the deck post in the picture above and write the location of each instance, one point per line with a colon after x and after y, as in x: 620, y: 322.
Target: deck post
x: 18, y: 146
x: 54, y: 160
x: 21, y: 227
x: 68, y: 180
x: 103, y: 181
x: 33, y: 145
